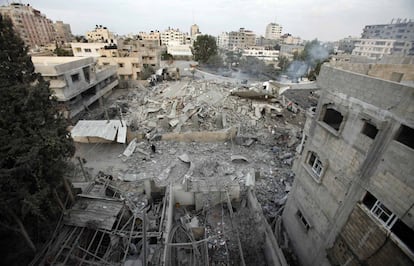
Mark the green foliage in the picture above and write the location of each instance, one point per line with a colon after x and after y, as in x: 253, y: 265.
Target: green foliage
x: 147, y: 71
x: 34, y: 144
x: 165, y: 56
x: 204, y: 47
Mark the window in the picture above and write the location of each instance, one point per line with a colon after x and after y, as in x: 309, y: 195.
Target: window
x: 369, y: 130
x: 315, y: 163
x: 303, y: 220
x: 406, y: 136
x: 87, y: 50
x: 379, y: 210
x: 120, y: 65
x: 78, y: 49
x: 333, y: 118
x: 75, y: 77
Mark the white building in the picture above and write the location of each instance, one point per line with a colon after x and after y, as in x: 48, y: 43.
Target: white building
x: 373, y: 48
x: 81, y: 49
x: 179, y: 50
x: 174, y: 35
x: 261, y: 53
x: 194, y: 30
x: 273, y: 31
x: 76, y: 82
x: 223, y: 40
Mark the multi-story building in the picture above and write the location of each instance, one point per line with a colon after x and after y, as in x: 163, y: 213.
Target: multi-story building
x: 63, y: 32
x: 129, y: 56
x: 288, y: 50
x: 223, y: 40
x: 273, y: 31
x: 194, y: 30
x: 373, y: 48
x: 100, y: 34
x: 400, y: 30
x: 261, y: 53
x: 287, y: 38
x: 87, y: 49
x: 241, y: 39
x: 33, y: 27
x: 353, y: 195
x: 347, y: 44
x: 151, y: 36
x: 175, y: 36
x: 76, y: 82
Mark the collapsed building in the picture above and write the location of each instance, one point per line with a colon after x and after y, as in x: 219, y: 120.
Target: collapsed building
x: 352, y: 199
x: 201, y: 180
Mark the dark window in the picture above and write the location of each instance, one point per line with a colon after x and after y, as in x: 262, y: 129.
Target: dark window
x: 120, y: 64
x: 333, y: 118
x: 404, y: 233
x: 303, y: 220
x: 369, y: 200
x: 75, y: 77
x: 369, y: 130
x: 406, y: 136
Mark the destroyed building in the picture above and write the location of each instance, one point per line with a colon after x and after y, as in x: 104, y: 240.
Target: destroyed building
x: 76, y: 82
x: 352, y: 198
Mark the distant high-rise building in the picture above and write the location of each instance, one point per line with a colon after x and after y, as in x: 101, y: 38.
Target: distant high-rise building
x: 400, y: 30
x: 194, y: 30
x: 63, y: 32
x: 223, y: 40
x: 273, y: 31
x: 32, y: 26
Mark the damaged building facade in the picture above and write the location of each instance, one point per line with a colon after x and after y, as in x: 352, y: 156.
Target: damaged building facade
x: 352, y: 198
x: 76, y: 82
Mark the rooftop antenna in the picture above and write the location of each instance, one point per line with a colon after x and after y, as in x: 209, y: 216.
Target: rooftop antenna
x: 192, y: 13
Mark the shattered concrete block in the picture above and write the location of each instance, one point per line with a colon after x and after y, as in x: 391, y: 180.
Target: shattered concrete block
x: 130, y: 148
x: 174, y: 122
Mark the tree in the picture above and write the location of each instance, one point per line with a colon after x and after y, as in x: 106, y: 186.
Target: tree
x: 283, y: 63
x: 204, y: 47
x: 34, y: 148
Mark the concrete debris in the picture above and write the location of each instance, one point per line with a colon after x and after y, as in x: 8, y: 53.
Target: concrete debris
x: 130, y: 148
x: 238, y: 159
x: 190, y: 136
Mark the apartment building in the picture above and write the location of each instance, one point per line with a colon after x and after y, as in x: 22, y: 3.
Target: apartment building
x: 373, y: 48
x: 76, y: 82
x: 33, y: 27
x: 288, y: 50
x: 400, y: 30
x: 347, y: 45
x: 129, y: 55
x: 174, y: 36
x: 352, y: 198
x: 262, y: 53
x: 100, y: 34
x: 273, y: 31
x: 150, y: 36
x: 80, y: 49
x: 223, y: 40
x: 194, y: 30
x: 289, y: 39
x: 63, y: 33
x: 241, y: 39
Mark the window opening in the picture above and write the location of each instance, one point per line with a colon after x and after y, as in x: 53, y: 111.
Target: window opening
x: 333, y: 118
x: 369, y: 130
x: 406, y: 136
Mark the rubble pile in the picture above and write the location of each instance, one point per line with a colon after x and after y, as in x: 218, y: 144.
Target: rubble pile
x: 267, y: 135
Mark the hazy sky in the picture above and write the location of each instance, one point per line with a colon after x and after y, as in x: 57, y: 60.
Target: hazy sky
x: 323, y: 19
